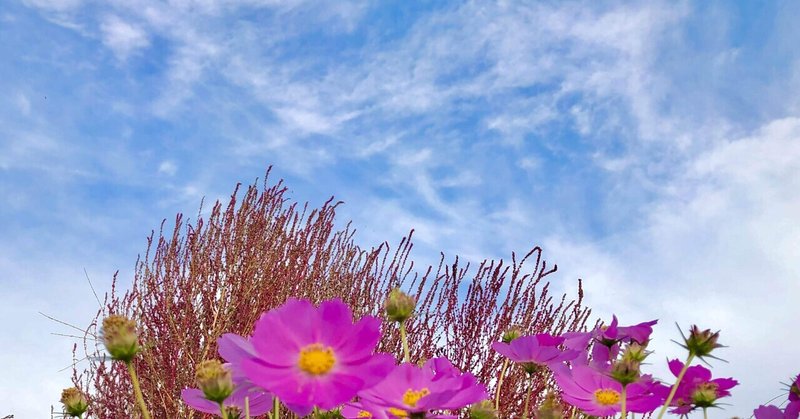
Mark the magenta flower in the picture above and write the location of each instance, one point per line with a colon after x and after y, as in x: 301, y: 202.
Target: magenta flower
x: 794, y: 390
x: 437, y: 385
x: 696, y: 389
x: 541, y: 349
x: 259, y: 401
x: 233, y: 349
x: 792, y: 411
x: 597, y: 394
x: 310, y: 356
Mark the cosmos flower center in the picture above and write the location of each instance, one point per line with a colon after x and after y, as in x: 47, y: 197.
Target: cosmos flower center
x: 606, y: 397
x: 411, y: 397
x: 316, y: 359
x: 364, y: 414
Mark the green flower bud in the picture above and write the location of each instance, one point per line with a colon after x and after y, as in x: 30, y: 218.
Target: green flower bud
x: 329, y: 414
x: 549, y: 409
x: 399, y: 306
x: 482, y: 410
x: 705, y: 394
x: 636, y: 352
x: 512, y: 333
x: 625, y: 371
x: 701, y: 343
x: 75, y: 403
x: 214, y: 380
x: 120, y: 338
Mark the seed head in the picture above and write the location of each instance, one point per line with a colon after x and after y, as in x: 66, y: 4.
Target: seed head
x: 399, y: 306
x: 214, y: 380
x: 75, y: 403
x: 120, y: 338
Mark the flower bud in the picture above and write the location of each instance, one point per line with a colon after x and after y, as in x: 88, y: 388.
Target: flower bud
x: 232, y: 412
x: 214, y: 380
x: 701, y: 343
x: 625, y: 371
x: 705, y: 394
x: 75, y: 403
x: 636, y: 352
x: 549, y: 409
x: 120, y: 337
x: 512, y: 333
x: 399, y: 306
x: 482, y: 410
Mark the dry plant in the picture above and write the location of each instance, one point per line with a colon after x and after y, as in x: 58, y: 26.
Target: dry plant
x: 218, y: 275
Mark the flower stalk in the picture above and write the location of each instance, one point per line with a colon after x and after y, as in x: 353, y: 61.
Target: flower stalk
x: 674, y: 389
x: 137, y: 390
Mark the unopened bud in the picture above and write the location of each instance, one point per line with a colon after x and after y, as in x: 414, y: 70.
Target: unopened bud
x: 75, y: 403
x: 512, y: 333
x: 232, y: 412
x: 625, y: 371
x: 482, y: 410
x: 701, y: 343
x: 399, y: 306
x: 214, y: 380
x: 120, y: 337
x: 549, y: 409
x: 636, y: 352
x: 705, y: 394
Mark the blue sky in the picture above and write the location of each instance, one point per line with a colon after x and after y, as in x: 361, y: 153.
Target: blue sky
x: 651, y: 148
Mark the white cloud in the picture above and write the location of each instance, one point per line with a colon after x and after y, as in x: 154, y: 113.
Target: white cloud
x: 124, y: 38
x: 168, y: 168
x: 719, y: 248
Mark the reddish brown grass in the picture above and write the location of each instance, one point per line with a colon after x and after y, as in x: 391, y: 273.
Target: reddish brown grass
x: 221, y: 272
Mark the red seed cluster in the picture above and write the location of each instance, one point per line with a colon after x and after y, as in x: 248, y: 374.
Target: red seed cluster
x: 219, y: 273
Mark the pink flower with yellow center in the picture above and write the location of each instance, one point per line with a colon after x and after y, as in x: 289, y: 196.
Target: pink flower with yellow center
x: 597, y: 394
x: 409, y: 389
x: 315, y: 357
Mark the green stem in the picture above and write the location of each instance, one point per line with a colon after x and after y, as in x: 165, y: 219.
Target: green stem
x: 500, y: 384
x: 705, y: 413
x: 137, y: 390
x: 404, y: 339
x: 527, y: 400
x: 624, y: 398
x: 276, y: 408
x: 247, y: 407
x: 223, y: 411
x: 675, y: 386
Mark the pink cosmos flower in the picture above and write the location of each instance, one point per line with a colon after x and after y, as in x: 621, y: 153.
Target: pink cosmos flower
x: 233, y: 349
x: 697, y: 377
x: 597, y: 394
x: 792, y: 411
x: 541, y: 349
x: 437, y: 385
x: 310, y: 356
x: 259, y: 401
x: 794, y: 390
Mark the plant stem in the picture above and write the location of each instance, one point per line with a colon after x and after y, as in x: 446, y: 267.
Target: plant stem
x: 527, y: 399
x: 137, y: 391
x: 247, y: 407
x: 675, y: 386
x: 624, y: 398
x: 223, y: 411
x: 500, y: 384
x: 705, y: 413
x: 404, y: 339
x: 276, y: 408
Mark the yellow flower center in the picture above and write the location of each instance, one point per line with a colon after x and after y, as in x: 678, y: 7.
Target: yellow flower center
x: 316, y: 359
x: 606, y: 397
x: 364, y: 414
x: 411, y: 397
